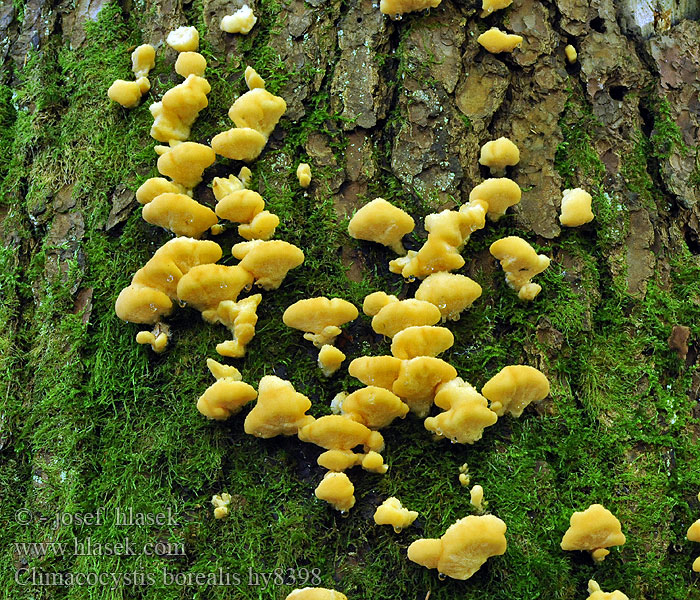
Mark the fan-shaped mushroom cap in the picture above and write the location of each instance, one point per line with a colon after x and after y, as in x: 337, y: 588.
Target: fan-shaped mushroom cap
x: 128, y: 93
x: 258, y: 109
x: 320, y: 318
x: 337, y: 490
x: 463, y: 548
x: 183, y: 39
x: 336, y: 432
x: 576, y: 208
x: 174, y: 114
x: 240, y: 317
x: 381, y: 371
x: 418, y: 379
x: 373, y: 406
x: 180, y: 214
x: 239, y: 143
x: 398, y: 7
x: 240, y: 206
x: 339, y: 460
x: 514, y: 388
x: 227, y: 395
x: 499, y: 193
x: 390, y: 512
x: 315, y: 594
x: 396, y: 316
x: 488, y: 6
x: 466, y: 413
x: 434, y: 256
x: 375, y: 301
x: 304, y: 174
x: 252, y: 79
x: 268, y: 261
x: 450, y: 292
x: 262, y: 227
x: 499, y: 154
x: 421, y: 340
x: 241, y: 21
x: 520, y: 263
x: 597, y: 594
x: 186, y: 162
x: 450, y: 226
x: 141, y: 304
x: 205, y: 286
x: 381, y: 222
x: 223, y: 186
x: 594, y: 529
x: 154, y: 187
x: 190, y: 63
x: 374, y: 462
x: 330, y: 359
x: 280, y: 409
x: 497, y: 41
x: 143, y: 59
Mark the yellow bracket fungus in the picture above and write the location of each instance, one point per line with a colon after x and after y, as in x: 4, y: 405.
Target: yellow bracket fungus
x: 375, y: 301
x: 185, y: 163
x: 242, y: 21
x: 497, y: 41
x: 418, y: 380
x: 336, y: 432
x: 155, y: 186
x: 694, y: 536
x: 190, y: 63
x: 143, y: 59
x: 597, y: 594
x: 396, y: 316
x: 280, y: 409
x: 489, y: 6
x: 421, y: 340
x: 595, y: 529
x: 390, y: 512
x: 395, y: 8
x: 380, y: 371
x: 252, y: 79
x: 330, y: 359
x: 177, y: 111
x: 499, y: 154
x: 227, y: 395
x: 499, y: 193
x: 183, y: 39
x: 576, y: 208
x: 381, y: 222
x: 520, y: 263
x: 514, y: 388
x: 221, y: 503
x: 240, y: 317
x: 434, y: 256
x: 320, y: 318
x: 268, y: 261
x: 158, y: 338
x: 304, y: 175
x: 262, y: 227
x: 337, y: 490
x: 450, y: 292
x: 373, y: 406
x: 571, y: 54
x: 128, y: 93
x: 180, y: 214
x: 340, y: 460
x: 239, y: 206
x: 476, y: 498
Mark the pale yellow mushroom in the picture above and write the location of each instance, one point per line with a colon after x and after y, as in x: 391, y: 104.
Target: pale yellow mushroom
x: 464, y: 479
x: 268, y: 261
x: 499, y: 193
x: 239, y: 143
x: 183, y: 39
x: 177, y: 111
x: 242, y: 21
x: 381, y: 222
x: 310, y: 593
x: 340, y: 460
x: 476, y: 498
x: 391, y: 512
x: 463, y: 548
x: 320, y: 318
x: 434, y: 256
x: 497, y: 41
x: 373, y: 406
x: 204, y: 287
x: 576, y: 208
x: 396, y: 316
x: 180, y: 214
x: 466, y: 413
x: 598, y: 594
x: 240, y: 206
x: 143, y: 59
x: 571, y: 54
x: 155, y: 186
x: 595, y: 529
x: 450, y: 292
x: 336, y: 432
x: 499, y: 154
x: 157, y: 339
x: 374, y: 462
x: 418, y: 381
x: 489, y: 6
x: 252, y: 79
x: 280, y: 409
x: 258, y: 109
x: 514, y: 388
x: 142, y: 304
x: 453, y: 227
x: 375, y: 301
x: 421, y: 340
x: 185, y: 163
x: 190, y: 63
x: 693, y: 535
x: 240, y: 317
x: 521, y: 263
x: 128, y: 93
x: 395, y: 8
x: 304, y: 175
x: 337, y: 490
x: 221, y: 503
x: 330, y: 359
x: 262, y: 227
x: 227, y: 395
x: 380, y: 371
x: 223, y: 186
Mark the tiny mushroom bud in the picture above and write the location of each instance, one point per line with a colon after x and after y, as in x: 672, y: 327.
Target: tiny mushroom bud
x: 576, y: 208
x: 186, y: 162
x: 252, y: 79
x: 155, y: 186
x: 464, y: 478
x: 421, y: 340
x: 390, y: 512
x: 337, y: 490
x: 450, y: 292
x: 595, y: 529
x: 183, y: 39
x: 396, y: 8
x: 128, y: 93
x: 396, y: 316
x: 221, y: 503
x: 598, y: 594
x: 463, y: 548
x: 694, y: 536
x: 571, y: 54
x: 373, y: 406
x: 476, y: 498
x: 381, y: 371
x: 373, y: 461
x: 499, y: 193
x: 521, y: 263
x: 310, y: 593
x: 280, y: 409
x: 180, y: 214
x: 190, y: 63
x: 330, y: 359
x: 499, y: 154
x: 158, y: 338
x: 514, y: 388
x: 143, y: 59
x: 381, y: 222
x: 227, y: 395
x: 304, y: 174
x: 268, y: 261
x: 497, y: 41
x: 242, y: 21
x: 418, y: 379
x: 488, y: 6
x: 320, y: 318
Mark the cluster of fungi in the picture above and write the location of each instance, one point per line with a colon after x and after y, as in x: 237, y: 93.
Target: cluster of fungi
x: 184, y: 271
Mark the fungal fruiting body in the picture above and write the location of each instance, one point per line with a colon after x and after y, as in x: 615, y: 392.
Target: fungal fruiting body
x: 268, y: 261
x: 499, y: 193
x: 497, y: 155
x: 381, y: 371
x: 304, y: 175
x: 381, y: 222
x: 242, y: 21
x: 464, y: 479
x: 174, y: 115
x: 252, y: 79
x: 143, y: 59
x: 183, y: 39
x: 330, y: 359
x: 598, y: 594
x: 421, y: 340
x: 180, y: 214
x: 463, y: 548
x: 336, y: 432
x: 315, y: 594
x: 374, y: 407
x: 514, y: 388
x: 185, y: 163
x: 240, y: 317
x: 399, y: 7
x: 227, y: 395
x: 221, y: 503
x: 450, y: 292
x: 571, y: 54
x: 341, y: 460
x: 190, y: 63
x: 128, y: 93
x: 497, y: 41
x: 476, y: 498
x: 594, y: 529
x: 320, y: 318
x: 337, y: 490
x: 155, y: 186
x: 576, y: 208
x: 279, y: 410
x: 390, y: 512
x: 520, y: 263
x: 239, y: 205
x: 489, y: 6
x: 418, y: 379
x: 401, y: 314
x: 694, y: 536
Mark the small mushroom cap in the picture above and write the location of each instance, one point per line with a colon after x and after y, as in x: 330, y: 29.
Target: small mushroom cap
x: 190, y: 63
x: 187, y: 99
x: 375, y: 301
x: 374, y: 462
x: 240, y: 317
x: 571, y: 54
x: 258, y: 109
x: 476, y: 497
x: 339, y: 460
x: 252, y: 79
x: 381, y: 222
x: 514, y: 388
x: 183, y: 39
x: 597, y: 594
x: 242, y: 21
x: 421, y: 340
x: 374, y: 407
x: 390, y: 512
x: 696, y: 565
x: 223, y: 186
x: 315, y: 315
x: 381, y: 371
x: 489, y: 6
x: 418, y: 379
x: 280, y: 409
x: 463, y: 548
x: 220, y: 371
x: 180, y: 214
x: 497, y: 41
x: 499, y: 193
x: 593, y: 529
x: 336, y: 432
x: 304, y: 175
x: 520, y: 261
x: 337, y: 490
x: 239, y: 143
x: 435, y: 255
x: 225, y: 398
x: 268, y: 261
x: 576, y: 208
x: 167, y: 125
x: 154, y: 187
x: 240, y: 206
x: 398, y: 7
x: 396, y: 316
x: 450, y: 292
x: 128, y: 93
x: 450, y: 226
x: 205, y: 286
x: 141, y: 304
x: 186, y: 162
x: 499, y: 154
x: 143, y: 59
x: 315, y: 594
x: 262, y: 227
x: 330, y: 359
x: 694, y: 532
